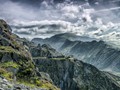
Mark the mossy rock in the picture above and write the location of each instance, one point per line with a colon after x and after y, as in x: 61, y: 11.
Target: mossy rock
x: 16, y: 61
x: 9, y: 64
x: 6, y: 74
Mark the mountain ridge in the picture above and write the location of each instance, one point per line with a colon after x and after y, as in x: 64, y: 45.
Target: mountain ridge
x: 97, y: 53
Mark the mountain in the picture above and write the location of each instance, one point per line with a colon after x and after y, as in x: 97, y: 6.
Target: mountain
x: 17, y: 68
x: 97, y: 53
x: 72, y: 74
x: 69, y: 73
x: 57, y: 40
x: 27, y: 66
x: 45, y: 51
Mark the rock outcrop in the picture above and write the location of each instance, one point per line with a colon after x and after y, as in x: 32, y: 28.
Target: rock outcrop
x: 16, y: 61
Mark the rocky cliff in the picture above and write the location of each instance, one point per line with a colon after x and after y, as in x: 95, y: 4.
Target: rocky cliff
x: 71, y: 74
x: 16, y: 64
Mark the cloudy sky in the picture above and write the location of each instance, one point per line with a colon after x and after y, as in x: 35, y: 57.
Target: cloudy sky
x: 45, y: 18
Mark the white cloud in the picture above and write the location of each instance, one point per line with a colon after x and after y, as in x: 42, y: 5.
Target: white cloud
x: 70, y: 9
x: 109, y: 32
x: 48, y: 20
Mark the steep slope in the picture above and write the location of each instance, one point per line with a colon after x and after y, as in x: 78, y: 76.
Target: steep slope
x: 97, y: 53
x: 16, y: 64
x: 71, y: 74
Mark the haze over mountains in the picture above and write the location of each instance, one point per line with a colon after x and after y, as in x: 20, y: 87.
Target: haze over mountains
x: 97, y: 53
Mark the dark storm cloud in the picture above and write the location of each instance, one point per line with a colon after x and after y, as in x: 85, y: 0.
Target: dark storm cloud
x: 94, y: 3
x: 34, y: 3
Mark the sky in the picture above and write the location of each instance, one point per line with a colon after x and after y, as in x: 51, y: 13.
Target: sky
x: 45, y: 18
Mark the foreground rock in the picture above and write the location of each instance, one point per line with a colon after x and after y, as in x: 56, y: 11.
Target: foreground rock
x: 71, y: 74
x: 6, y: 85
x: 16, y: 62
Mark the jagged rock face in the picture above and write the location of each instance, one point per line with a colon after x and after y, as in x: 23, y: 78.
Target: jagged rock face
x: 11, y: 50
x: 16, y: 62
x: 72, y: 74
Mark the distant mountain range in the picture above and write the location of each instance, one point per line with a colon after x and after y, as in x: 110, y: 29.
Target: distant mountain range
x: 97, y: 53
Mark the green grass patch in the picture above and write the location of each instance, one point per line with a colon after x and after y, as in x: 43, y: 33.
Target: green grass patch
x: 3, y: 69
x: 9, y: 64
x: 36, y: 82
x: 6, y: 74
